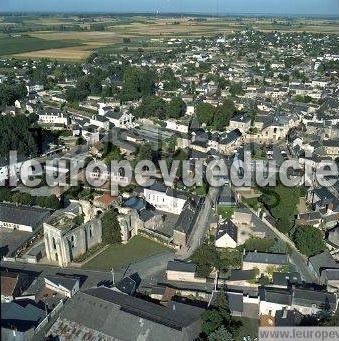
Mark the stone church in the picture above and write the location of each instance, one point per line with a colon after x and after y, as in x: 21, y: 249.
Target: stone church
x: 67, y: 236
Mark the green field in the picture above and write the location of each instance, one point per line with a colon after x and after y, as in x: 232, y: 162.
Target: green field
x: 13, y: 45
x: 118, y: 255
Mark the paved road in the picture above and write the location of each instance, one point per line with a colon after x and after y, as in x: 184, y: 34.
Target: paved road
x: 201, y: 225
x: 151, y: 269
x: 297, y: 258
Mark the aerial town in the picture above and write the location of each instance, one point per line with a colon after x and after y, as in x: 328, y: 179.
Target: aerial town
x: 160, y: 261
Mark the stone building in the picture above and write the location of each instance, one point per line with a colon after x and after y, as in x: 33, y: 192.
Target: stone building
x: 66, y: 238
x: 129, y: 222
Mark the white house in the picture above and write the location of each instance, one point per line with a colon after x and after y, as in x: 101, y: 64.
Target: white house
x: 53, y: 116
x: 176, y: 126
x: 104, y: 109
x: 100, y: 121
x: 165, y: 199
x: 120, y: 119
x: 227, y: 235
x: 2, y: 79
x: 34, y: 88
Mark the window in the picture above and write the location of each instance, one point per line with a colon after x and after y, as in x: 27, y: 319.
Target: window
x: 90, y: 232
x: 73, y: 241
x: 54, y: 244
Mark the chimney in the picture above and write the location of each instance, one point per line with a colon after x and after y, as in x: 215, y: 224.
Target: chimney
x: 284, y: 315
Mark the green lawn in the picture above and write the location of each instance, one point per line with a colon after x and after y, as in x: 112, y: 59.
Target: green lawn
x: 249, y: 328
x: 118, y: 255
x: 15, y: 45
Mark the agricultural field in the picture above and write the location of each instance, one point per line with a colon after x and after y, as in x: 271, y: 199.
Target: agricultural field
x: 10, y: 45
x: 75, y: 38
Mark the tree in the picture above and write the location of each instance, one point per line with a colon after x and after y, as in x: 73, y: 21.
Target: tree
x: 230, y: 259
x: 51, y: 202
x: 138, y: 82
x: 16, y: 134
x: 223, y: 114
x: 22, y: 198
x: 205, y: 113
x: 257, y: 244
x: 309, y: 240
x: 206, y: 257
x: 170, y: 81
x: 113, y: 155
x: 236, y: 89
x: 217, y: 316
x: 264, y: 280
x: 80, y: 141
x: 211, y: 321
x: 221, y: 334
x: 111, y: 232
x: 145, y: 152
x: 176, y: 108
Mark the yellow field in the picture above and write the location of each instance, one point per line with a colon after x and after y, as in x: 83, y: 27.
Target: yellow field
x: 101, y: 38
x: 68, y: 53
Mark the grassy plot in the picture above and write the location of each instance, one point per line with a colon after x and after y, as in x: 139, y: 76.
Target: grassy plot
x: 118, y: 255
x: 249, y: 327
x: 15, y: 45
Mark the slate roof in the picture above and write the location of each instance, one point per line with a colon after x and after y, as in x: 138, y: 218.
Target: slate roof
x: 127, y: 285
x: 227, y: 227
x: 22, y: 215
x: 235, y: 302
x: 116, y: 115
x: 146, y: 215
x: 63, y: 281
x: 21, y: 316
x: 128, y: 318
x: 181, y: 266
x: 266, y: 258
x: 188, y: 216
x: 323, y: 261
x: 308, y: 298
x: 278, y: 296
x: 287, y: 318
x: 286, y: 278
x: 135, y: 203
x: 241, y: 275
x: 231, y: 137
x: 332, y: 274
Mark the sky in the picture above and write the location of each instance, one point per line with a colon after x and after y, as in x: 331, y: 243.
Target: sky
x: 278, y: 7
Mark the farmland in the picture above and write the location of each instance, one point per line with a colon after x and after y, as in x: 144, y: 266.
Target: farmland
x: 75, y: 38
x: 13, y: 45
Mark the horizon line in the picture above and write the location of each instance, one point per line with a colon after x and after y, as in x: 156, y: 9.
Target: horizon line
x: 155, y: 13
